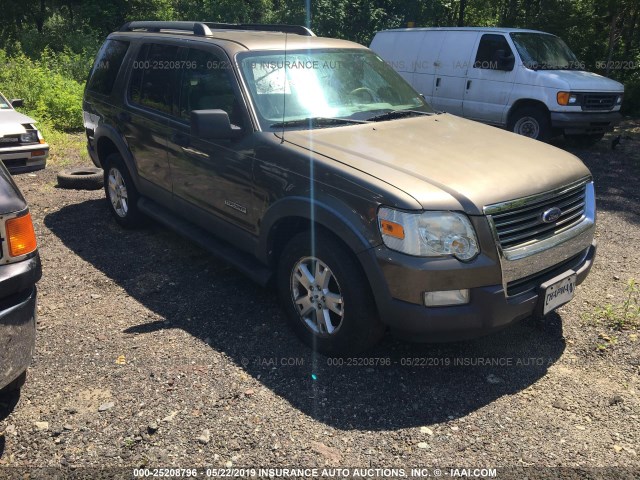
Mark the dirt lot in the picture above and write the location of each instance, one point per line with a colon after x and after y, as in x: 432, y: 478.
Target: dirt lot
x: 151, y: 353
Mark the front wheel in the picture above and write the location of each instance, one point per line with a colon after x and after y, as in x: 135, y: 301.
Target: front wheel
x: 121, y: 193
x: 532, y: 122
x: 326, y: 297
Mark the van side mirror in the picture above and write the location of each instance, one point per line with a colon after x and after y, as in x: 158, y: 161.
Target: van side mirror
x: 503, y: 61
x: 17, y: 102
x: 213, y: 124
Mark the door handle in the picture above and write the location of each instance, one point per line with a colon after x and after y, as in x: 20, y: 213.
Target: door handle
x: 124, y: 117
x: 438, y: 82
x: 468, y: 84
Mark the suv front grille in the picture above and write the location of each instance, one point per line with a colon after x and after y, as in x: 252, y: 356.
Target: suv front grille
x: 599, y: 101
x: 522, y: 225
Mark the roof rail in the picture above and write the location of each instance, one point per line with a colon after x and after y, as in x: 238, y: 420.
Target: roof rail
x: 203, y: 29
x: 197, y: 28
x: 262, y: 27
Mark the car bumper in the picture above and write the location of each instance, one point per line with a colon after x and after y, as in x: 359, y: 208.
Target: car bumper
x: 25, y: 159
x: 576, y: 123
x: 17, y: 317
x: 489, y: 309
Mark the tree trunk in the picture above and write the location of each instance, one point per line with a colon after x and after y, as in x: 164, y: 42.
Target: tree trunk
x: 612, y: 39
x: 40, y: 17
x: 463, y: 4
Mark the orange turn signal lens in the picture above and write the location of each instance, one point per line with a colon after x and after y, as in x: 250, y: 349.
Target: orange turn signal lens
x: 563, y: 98
x: 392, y: 229
x: 21, y: 236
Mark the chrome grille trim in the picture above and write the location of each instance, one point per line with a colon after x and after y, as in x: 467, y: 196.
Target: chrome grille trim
x: 573, y: 235
x: 523, y: 224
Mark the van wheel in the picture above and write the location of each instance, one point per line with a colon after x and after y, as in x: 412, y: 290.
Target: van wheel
x: 531, y: 122
x: 584, y: 140
x: 121, y: 193
x: 326, y: 296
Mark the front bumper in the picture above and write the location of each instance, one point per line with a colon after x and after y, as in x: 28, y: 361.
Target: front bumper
x: 17, y: 317
x: 489, y: 308
x: 26, y: 158
x: 575, y: 123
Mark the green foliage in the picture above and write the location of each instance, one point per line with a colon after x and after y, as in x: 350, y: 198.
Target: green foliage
x: 49, y: 93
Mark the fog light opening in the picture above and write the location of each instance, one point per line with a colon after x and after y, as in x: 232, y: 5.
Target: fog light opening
x: 446, y: 298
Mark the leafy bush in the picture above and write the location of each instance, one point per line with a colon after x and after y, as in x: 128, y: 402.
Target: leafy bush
x: 49, y: 92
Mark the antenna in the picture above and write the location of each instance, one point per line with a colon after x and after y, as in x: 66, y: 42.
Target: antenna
x: 284, y: 86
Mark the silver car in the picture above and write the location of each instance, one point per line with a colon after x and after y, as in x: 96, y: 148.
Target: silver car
x: 22, y: 148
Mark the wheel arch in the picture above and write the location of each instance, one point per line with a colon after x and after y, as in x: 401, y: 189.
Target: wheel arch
x: 109, y: 142
x: 526, y: 102
x: 293, y: 215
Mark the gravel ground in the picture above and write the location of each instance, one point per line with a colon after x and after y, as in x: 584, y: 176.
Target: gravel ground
x: 151, y: 353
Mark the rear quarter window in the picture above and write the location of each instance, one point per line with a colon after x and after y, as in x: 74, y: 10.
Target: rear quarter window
x: 106, y: 67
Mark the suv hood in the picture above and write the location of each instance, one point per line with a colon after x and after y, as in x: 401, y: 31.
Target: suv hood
x: 11, y: 122
x: 475, y: 164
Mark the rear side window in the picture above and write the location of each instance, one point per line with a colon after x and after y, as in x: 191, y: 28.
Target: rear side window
x: 106, y: 67
x: 153, y: 77
x: 491, y: 49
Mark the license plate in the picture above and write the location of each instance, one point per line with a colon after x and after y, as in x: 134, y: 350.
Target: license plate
x: 559, y: 293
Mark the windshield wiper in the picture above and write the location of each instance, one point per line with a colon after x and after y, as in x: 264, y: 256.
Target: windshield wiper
x: 396, y: 114
x: 315, y: 122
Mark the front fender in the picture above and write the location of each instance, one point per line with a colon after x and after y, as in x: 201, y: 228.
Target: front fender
x: 356, y: 227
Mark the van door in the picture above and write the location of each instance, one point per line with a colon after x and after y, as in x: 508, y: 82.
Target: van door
x: 451, y: 70
x: 399, y: 50
x: 489, y: 80
x: 425, y: 69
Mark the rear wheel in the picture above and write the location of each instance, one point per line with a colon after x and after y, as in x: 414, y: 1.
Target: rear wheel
x: 326, y: 297
x: 121, y: 193
x: 532, y: 122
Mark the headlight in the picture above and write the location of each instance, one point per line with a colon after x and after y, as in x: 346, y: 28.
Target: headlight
x: 619, y: 100
x: 428, y: 234
x: 30, y: 137
x: 567, y: 98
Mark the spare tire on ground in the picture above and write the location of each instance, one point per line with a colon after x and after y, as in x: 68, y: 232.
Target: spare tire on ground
x: 81, y: 178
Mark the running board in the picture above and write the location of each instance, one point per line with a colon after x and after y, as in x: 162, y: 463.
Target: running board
x: 241, y: 261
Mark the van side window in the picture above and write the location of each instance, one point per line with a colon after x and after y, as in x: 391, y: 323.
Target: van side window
x: 494, y: 53
x: 206, y: 85
x: 106, y: 67
x: 153, y: 77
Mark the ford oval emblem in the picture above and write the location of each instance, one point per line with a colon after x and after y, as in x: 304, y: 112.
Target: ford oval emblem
x: 551, y: 215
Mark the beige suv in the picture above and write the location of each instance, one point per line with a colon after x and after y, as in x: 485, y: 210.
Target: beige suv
x: 309, y: 163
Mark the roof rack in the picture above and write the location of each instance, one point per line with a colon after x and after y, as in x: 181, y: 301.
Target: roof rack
x: 203, y: 29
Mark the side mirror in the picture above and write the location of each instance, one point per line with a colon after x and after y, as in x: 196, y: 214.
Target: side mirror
x: 213, y: 124
x: 17, y: 102
x: 504, y: 62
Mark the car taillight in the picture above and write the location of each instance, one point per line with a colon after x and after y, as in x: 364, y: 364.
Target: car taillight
x: 21, y: 237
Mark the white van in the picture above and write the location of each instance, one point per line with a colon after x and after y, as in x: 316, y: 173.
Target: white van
x: 527, y: 81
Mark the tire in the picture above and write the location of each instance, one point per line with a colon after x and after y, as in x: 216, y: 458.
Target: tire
x: 532, y: 122
x: 352, y: 325
x: 120, y: 191
x: 585, y: 140
x: 81, y: 178
x: 15, y: 384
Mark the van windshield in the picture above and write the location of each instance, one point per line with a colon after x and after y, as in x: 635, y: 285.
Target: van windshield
x: 540, y: 51
x: 351, y: 85
x: 3, y: 103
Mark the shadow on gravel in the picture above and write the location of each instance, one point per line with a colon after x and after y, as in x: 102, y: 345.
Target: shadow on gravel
x: 8, y: 402
x: 397, y: 385
x: 616, y: 172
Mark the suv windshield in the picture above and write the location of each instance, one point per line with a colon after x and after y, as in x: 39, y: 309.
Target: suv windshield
x: 541, y: 51
x: 324, y: 84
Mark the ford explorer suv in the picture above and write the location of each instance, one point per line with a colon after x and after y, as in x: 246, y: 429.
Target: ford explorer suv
x: 527, y: 81
x: 19, y: 271
x: 22, y: 148
x: 310, y: 163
